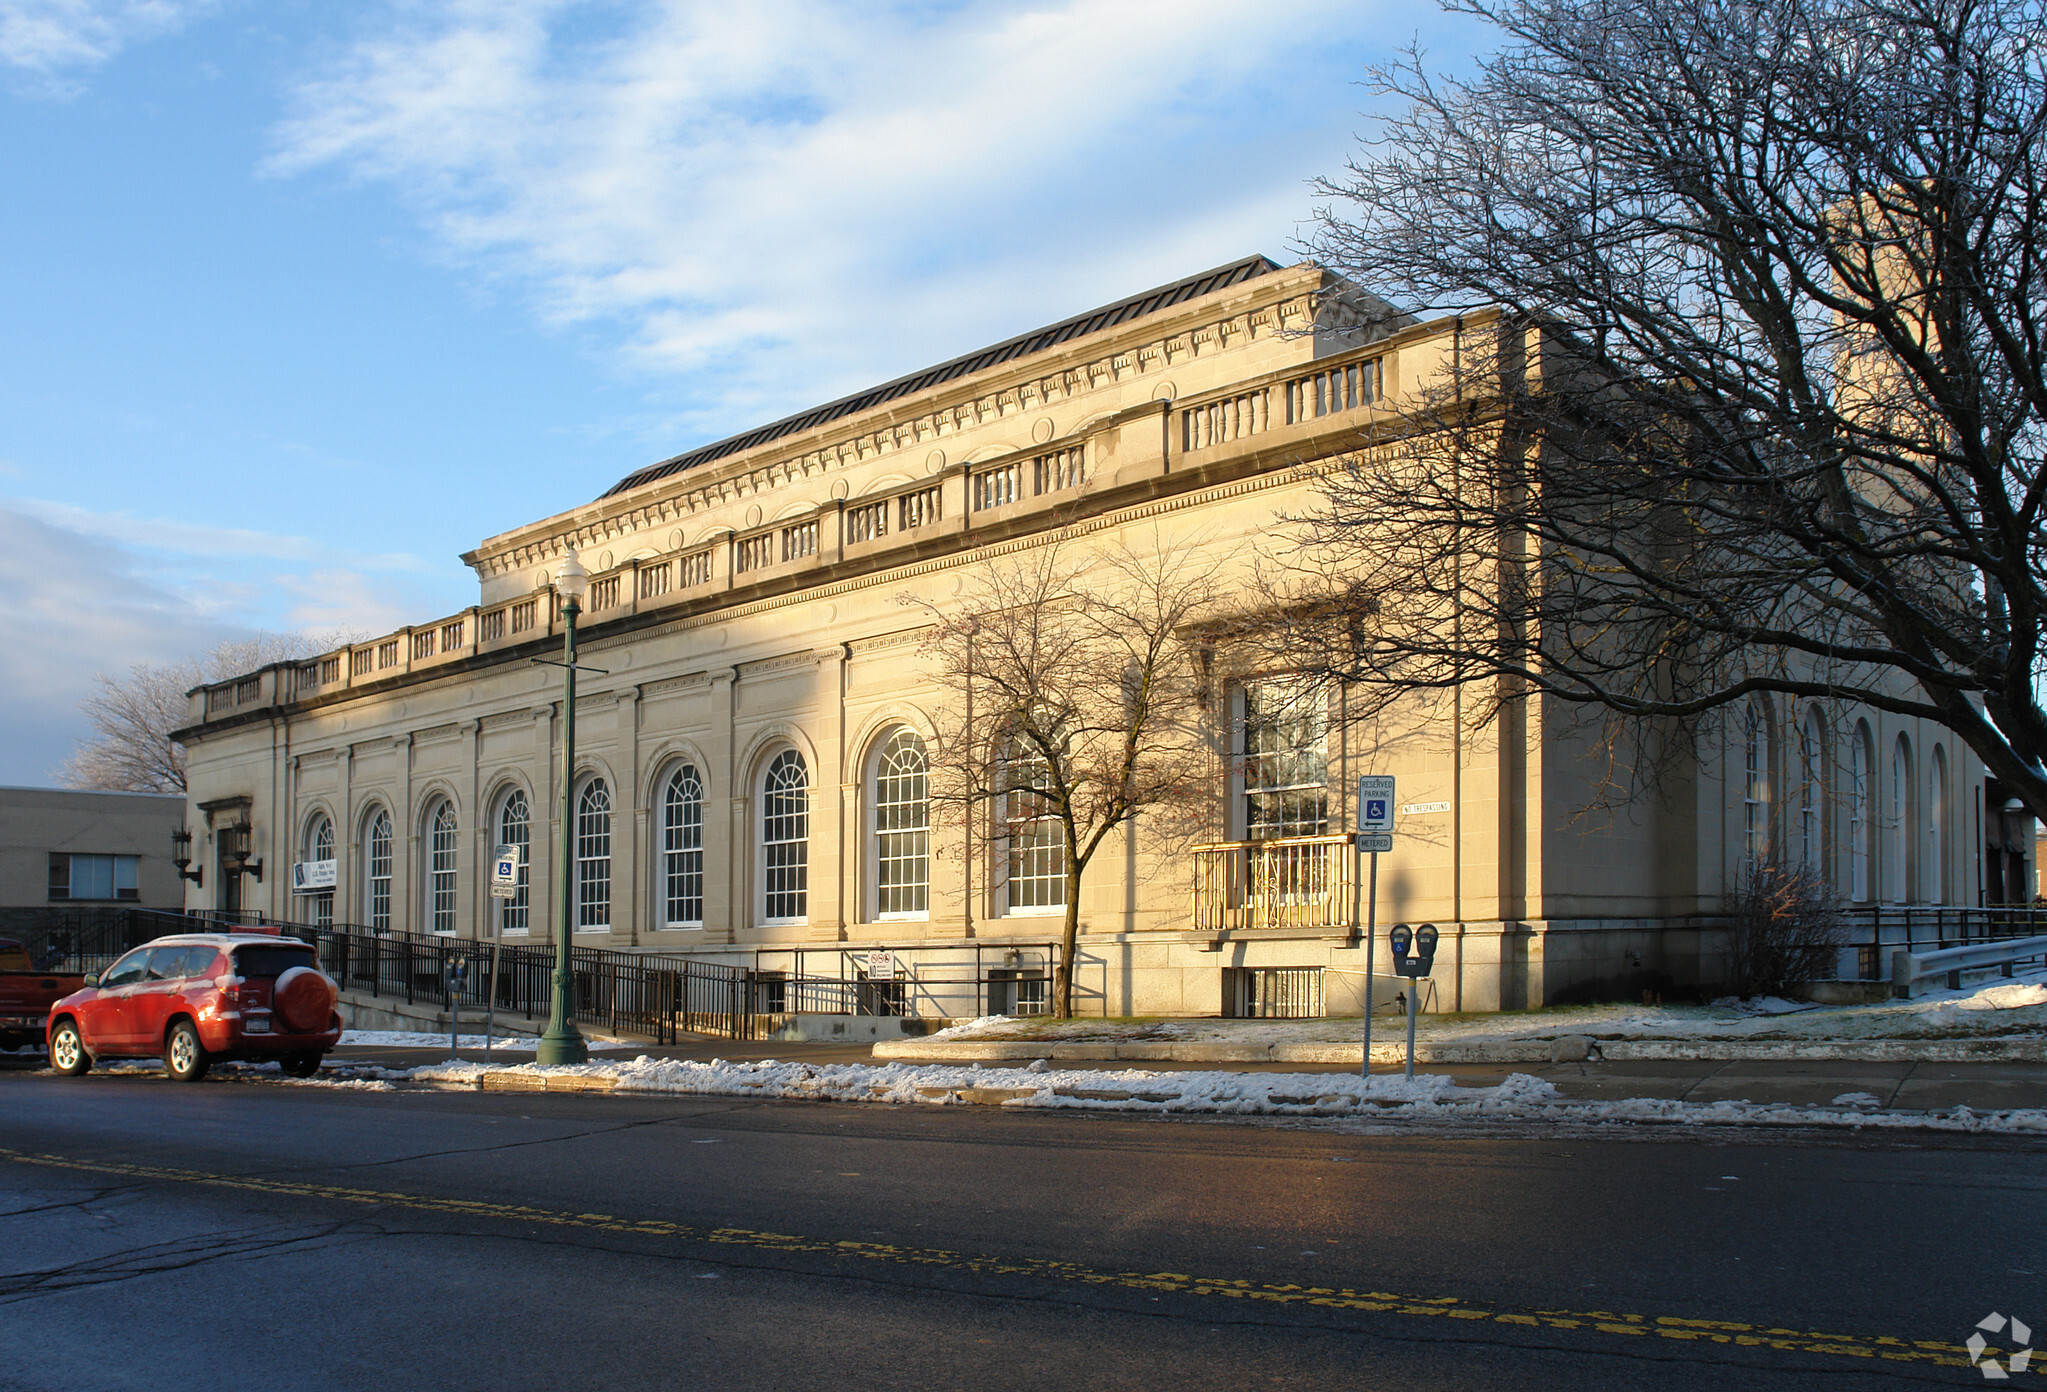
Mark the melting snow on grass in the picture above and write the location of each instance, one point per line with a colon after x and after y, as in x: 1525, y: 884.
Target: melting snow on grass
x: 1423, y: 1099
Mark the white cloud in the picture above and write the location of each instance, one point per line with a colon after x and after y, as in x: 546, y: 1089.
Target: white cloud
x: 169, y: 536
x: 45, y: 39
x: 80, y: 603
x: 784, y: 200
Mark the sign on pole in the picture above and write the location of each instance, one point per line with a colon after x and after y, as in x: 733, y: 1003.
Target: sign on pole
x: 1374, y: 841
x: 504, y: 872
x: 1375, y: 802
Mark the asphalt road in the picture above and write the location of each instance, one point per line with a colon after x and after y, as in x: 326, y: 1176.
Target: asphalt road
x: 258, y: 1235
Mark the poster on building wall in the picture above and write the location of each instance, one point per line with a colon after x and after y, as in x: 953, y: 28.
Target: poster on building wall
x: 314, y: 876
x: 881, y: 966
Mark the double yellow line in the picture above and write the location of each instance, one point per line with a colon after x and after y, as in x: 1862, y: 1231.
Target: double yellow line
x: 1874, y: 1348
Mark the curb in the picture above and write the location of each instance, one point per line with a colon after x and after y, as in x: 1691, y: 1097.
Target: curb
x: 2031, y: 1050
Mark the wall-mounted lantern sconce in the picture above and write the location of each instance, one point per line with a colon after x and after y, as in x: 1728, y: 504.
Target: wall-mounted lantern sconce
x: 235, y: 844
x: 181, y: 856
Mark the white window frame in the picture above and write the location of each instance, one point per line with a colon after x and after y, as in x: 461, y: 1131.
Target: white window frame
x: 1812, y: 842
x: 1047, y: 839
x: 1303, y: 697
x: 680, y: 855
x: 514, y: 915
x: 1861, y: 821
x: 593, y: 842
x: 782, y: 876
x: 1755, y: 786
x: 319, y: 845
x: 438, y: 864
x: 377, y: 887
x: 1935, y: 876
x: 1903, y: 842
x: 898, y: 800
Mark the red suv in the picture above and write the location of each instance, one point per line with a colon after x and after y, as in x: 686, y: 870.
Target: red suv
x: 199, y: 997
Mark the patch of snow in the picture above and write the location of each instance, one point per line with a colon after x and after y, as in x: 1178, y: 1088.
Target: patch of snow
x: 422, y: 1039
x: 2011, y: 996
x: 971, y: 1029
x: 1855, y: 1099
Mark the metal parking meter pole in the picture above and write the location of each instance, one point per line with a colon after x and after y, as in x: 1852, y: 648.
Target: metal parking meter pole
x: 458, y: 969
x: 1413, y: 1003
x: 1374, y: 834
x: 1371, y: 934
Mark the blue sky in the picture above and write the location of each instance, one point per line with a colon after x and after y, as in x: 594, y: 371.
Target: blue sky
x: 302, y: 300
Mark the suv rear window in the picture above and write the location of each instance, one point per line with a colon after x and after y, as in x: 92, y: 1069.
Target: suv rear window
x: 271, y: 961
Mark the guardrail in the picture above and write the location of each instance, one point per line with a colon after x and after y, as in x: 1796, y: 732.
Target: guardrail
x: 1909, y: 969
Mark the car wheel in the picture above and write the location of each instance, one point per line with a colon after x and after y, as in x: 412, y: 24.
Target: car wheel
x: 303, y: 1065
x: 67, y: 1051
x: 184, y: 1058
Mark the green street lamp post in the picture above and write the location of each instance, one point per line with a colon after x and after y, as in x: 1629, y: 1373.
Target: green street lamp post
x: 563, y: 1042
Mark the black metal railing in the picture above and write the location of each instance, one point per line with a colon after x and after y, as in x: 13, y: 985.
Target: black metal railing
x: 1877, y: 930
x: 658, y: 997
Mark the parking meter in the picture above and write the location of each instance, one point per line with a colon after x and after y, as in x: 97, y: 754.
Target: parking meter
x: 458, y: 972
x: 1402, y: 938
x: 1425, y: 948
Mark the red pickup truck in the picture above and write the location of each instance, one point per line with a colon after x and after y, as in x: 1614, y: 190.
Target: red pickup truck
x: 26, y: 995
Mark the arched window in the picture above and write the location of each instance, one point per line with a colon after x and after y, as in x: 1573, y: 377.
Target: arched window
x: 1936, y: 829
x: 899, y: 792
x: 515, y: 828
x: 1755, y: 794
x: 1033, y: 838
x: 1899, y: 872
x: 1811, y: 793
x: 682, y: 850
x: 440, y: 868
x: 785, y: 839
x: 377, y: 870
x: 319, y: 907
x: 593, y: 858
x: 1861, y: 827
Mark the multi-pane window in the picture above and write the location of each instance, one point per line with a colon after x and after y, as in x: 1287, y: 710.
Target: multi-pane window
x: 320, y: 846
x: 682, y: 848
x: 1285, y: 758
x: 92, y: 876
x: 1936, y: 829
x: 901, y: 798
x: 1861, y: 837
x: 593, y: 858
x: 1034, y: 838
x: 377, y: 864
x: 1900, y: 868
x: 440, y: 869
x: 785, y: 839
x: 1811, y: 850
x: 515, y: 829
x: 1755, y: 788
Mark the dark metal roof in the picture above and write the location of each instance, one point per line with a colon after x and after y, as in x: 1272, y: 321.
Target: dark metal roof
x: 1094, y: 321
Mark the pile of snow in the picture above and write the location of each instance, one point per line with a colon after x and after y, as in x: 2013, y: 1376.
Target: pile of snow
x: 1427, y: 1098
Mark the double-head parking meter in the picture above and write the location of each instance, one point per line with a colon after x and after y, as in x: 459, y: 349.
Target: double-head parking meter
x: 1414, y: 950
x: 1414, y: 955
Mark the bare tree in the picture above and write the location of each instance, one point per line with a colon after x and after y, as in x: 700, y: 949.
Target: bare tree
x: 130, y: 748
x: 1762, y: 406
x: 1069, y: 707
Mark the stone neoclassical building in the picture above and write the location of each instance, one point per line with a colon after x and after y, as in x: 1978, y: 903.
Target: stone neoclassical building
x: 751, y: 781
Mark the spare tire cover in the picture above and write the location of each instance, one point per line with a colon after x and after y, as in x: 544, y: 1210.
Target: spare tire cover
x: 304, y: 999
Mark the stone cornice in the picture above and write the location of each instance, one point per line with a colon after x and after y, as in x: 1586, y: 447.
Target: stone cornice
x: 1283, y: 301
